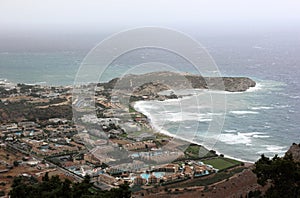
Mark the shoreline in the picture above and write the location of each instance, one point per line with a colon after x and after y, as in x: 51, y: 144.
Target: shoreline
x: 157, y: 129
x: 166, y: 133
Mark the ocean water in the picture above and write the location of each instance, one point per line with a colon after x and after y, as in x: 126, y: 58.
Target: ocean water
x: 52, y: 68
x: 249, y: 124
x: 265, y: 119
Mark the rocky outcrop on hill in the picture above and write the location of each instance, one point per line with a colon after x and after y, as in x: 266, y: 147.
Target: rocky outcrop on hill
x: 149, y: 89
x: 295, y: 152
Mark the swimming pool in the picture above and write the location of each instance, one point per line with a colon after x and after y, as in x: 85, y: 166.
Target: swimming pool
x: 156, y: 174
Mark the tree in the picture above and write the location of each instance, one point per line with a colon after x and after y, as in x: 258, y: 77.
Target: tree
x: 283, y: 174
x: 46, y: 177
x: 254, y: 194
x: 82, y: 188
x: 55, y: 187
x: 16, y: 163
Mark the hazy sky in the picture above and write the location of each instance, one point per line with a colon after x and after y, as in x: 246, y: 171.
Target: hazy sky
x: 120, y: 14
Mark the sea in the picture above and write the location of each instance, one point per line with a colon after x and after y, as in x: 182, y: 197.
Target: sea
x: 263, y: 120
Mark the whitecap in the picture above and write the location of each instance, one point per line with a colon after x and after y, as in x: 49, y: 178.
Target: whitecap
x: 204, y: 120
x: 294, y: 97
x: 282, y: 106
x: 253, y: 133
x: 273, y: 149
x: 257, y: 87
x: 39, y: 83
x: 230, y: 131
x: 244, y: 112
x: 239, y: 138
x: 187, y: 116
x: 262, y: 107
x: 261, y: 136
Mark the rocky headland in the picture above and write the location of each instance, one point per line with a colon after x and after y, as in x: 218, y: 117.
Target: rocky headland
x: 150, y: 84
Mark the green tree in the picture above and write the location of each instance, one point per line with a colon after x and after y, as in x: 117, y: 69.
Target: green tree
x: 54, y: 187
x: 46, y: 177
x: 81, y: 189
x: 283, y: 174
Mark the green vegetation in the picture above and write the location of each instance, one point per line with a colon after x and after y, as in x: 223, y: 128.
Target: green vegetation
x: 160, y: 136
x: 282, y: 173
x: 54, y: 187
x: 194, y: 151
x: 131, y: 109
x: 2, y: 193
x: 222, y: 163
x: 123, y: 135
x: 6, y: 93
x: 21, y: 110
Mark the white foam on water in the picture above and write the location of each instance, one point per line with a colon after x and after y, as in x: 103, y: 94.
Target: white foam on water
x: 257, y: 87
x: 220, y: 92
x: 167, y: 111
x: 295, y: 97
x: 39, y: 83
x: 273, y: 149
x: 240, y: 138
x: 261, y: 136
x: 243, y: 112
x: 282, y: 106
x: 262, y: 107
x: 230, y: 131
x: 205, y: 120
x: 187, y: 116
x: 143, y: 108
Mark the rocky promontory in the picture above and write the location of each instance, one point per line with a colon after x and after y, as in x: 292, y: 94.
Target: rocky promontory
x: 154, y: 82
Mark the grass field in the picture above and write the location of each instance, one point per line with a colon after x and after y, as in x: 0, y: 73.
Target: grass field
x: 196, y: 152
x: 221, y: 163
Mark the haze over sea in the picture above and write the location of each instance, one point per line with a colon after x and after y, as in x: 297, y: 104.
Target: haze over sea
x: 264, y: 119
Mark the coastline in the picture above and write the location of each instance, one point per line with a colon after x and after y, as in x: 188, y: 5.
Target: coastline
x: 166, y: 133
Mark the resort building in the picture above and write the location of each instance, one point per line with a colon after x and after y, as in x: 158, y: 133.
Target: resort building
x: 107, y: 179
x: 139, y: 181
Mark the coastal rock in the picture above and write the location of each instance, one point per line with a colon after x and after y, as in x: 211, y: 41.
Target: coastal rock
x: 238, y: 84
x: 294, y: 150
